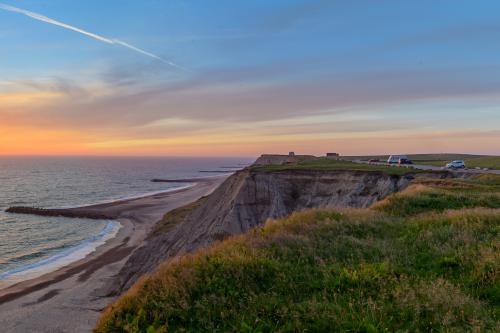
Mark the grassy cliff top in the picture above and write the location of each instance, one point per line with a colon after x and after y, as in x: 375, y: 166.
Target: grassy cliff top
x: 326, y: 164
x: 427, y: 259
x: 472, y: 161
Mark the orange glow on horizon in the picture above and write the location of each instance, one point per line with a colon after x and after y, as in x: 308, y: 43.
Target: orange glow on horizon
x: 27, y: 99
x: 198, y: 138
x: 34, y: 141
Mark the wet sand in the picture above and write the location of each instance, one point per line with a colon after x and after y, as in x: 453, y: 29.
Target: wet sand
x: 71, y: 298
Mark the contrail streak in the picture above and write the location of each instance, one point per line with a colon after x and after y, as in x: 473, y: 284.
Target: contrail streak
x: 46, y: 19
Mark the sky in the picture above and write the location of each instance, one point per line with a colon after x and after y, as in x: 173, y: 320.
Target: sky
x: 241, y: 78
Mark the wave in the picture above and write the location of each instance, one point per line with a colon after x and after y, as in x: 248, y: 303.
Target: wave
x: 131, y: 197
x: 63, y: 258
x: 147, y: 194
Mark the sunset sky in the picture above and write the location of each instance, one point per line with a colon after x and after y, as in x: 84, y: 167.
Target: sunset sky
x: 178, y: 77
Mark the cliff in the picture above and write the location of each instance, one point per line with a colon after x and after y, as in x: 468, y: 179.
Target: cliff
x: 421, y: 260
x: 247, y: 199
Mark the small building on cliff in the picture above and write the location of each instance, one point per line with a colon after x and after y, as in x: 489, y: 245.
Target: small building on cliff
x: 333, y: 155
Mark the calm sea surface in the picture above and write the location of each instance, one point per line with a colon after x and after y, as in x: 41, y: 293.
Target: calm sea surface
x: 32, y: 245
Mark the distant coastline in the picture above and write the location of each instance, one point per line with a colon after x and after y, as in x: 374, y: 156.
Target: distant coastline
x: 62, y: 259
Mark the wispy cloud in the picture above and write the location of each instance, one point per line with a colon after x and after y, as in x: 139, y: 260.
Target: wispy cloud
x: 240, y: 98
x: 100, y: 38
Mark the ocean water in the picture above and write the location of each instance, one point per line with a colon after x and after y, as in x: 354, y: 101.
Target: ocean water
x: 33, y: 245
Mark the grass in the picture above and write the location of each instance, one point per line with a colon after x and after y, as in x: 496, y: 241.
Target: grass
x: 175, y: 216
x: 489, y: 162
x: 438, y: 200
x: 418, y: 157
x: 472, y: 161
x: 426, y: 260
x: 326, y: 164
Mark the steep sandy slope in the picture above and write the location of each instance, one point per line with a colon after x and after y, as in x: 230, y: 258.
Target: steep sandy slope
x: 247, y: 199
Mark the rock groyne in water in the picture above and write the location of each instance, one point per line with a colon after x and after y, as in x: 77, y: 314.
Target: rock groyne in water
x: 69, y: 212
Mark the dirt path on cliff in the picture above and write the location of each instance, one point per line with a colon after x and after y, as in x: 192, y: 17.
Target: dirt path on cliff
x: 70, y: 299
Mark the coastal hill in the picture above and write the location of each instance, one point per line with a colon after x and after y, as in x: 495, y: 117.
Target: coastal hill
x: 348, y: 247
x: 290, y: 243
x: 272, y: 188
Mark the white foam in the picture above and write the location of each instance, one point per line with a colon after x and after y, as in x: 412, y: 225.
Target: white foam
x: 61, y: 259
x: 131, y: 197
x: 148, y: 194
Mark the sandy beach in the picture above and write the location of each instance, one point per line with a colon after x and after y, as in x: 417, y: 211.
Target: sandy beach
x: 71, y: 298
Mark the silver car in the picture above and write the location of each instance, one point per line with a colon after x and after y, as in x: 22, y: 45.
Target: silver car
x: 458, y: 164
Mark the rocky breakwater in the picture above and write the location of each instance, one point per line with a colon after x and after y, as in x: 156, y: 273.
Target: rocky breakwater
x: 72, y: 212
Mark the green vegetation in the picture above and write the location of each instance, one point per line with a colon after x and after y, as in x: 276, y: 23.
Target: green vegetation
x: 426, y: 260
x: 489, y: 162
x: 419, y: 157
x: 442, y: 195
x: 176, y: 216
x: 472, y: 161
x: 327, y: 164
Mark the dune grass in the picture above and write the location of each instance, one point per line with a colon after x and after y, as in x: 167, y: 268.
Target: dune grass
x: 391, y: 268
x: 431, y: 195
x: 176, y: 216
x: 437, y: 200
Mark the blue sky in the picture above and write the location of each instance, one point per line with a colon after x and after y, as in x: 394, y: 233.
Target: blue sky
x: 362, y: 76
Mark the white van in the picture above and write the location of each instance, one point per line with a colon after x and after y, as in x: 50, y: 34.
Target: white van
x: 394, y: 159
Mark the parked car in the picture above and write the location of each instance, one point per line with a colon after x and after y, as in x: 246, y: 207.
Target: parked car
x: 394, y: 159
x: 403, y: 161
x: 373, y: 161
x: 458, y: 164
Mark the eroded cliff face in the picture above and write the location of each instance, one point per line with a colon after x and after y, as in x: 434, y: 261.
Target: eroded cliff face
x: 247, y: 199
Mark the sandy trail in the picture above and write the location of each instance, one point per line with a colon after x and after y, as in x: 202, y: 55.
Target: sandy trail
x: 71, y: 298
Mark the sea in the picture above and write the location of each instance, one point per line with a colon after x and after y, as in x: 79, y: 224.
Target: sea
x: 33, y: 245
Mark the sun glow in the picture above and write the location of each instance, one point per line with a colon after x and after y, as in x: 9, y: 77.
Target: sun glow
x: 27, y: 99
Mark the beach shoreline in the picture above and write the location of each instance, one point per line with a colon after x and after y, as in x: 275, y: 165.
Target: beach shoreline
x: 30, y: 285
x: 63, y: 258
x: 83, y: 281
